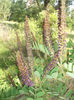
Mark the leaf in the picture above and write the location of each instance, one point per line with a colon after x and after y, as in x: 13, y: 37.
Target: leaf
x: 24, y: 89
x: 63, y: 90
x: 31, y: 88
x: 62, y: 98
x: 65, y: 65
x: 39, y: 99
x: 54, y: 70
x: 69, y: 94
x: 29, y: 98
x: 70, y: 74
x: 37, y: 74
x: 48, y: 76
x: 68, y: 66
x: 70, y: 44
x: 60, y: 76
x: 13, y: 91
x: 54, y: 75
x: 40, y: 70
x: 31, y: 92
x: 41, y: 48
x: 51, y: 95
x: 21, y: 91
x: 59, y: 87
x: 39, y: 94
x: 72, y: 98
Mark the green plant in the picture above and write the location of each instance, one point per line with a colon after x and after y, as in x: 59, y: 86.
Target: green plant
x: 34, y: 81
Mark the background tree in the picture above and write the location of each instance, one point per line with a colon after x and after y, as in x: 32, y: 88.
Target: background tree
x: 5, y: 9
x: 18, y: 10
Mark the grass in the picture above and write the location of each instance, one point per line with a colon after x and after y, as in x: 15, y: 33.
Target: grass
x: 5, y: 54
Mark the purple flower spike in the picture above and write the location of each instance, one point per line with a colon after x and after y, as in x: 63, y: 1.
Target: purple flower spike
x: 20, y: 48
x: 46, y: 33
x: 61, y: 37
x: 23, y: 71
x: 51, y: 65
x: 62, y: 26
x: 29, y: 47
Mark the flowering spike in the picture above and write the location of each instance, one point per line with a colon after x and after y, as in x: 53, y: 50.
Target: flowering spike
x: 29, y: 47
x: 47, y: 35
x: 59, y: 13
x: 61, y: 35
x: 20, y: 48
x: 51, y: 65
x: 23, y: 70
x: 61, y: 26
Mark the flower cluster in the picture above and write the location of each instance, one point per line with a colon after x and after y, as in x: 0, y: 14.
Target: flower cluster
x: 51, y: 65
x: 23, y: 70
x: 61, y: 36
x: 48, y: 41
x: 61, y: 26
x: 20, y: 48
x: 29, y: 47
x: 46, y: 33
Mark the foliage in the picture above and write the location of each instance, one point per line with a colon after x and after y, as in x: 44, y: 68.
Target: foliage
x: 58, y: 83
x: 44, y: 90
x: 70, y: 22
x: 17, y: 10
x: 5, y: 9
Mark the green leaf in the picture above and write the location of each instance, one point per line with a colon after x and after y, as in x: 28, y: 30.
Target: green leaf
x: 65, y: 65
x: 39, y: 94
x: 24, y: 89
x: 60, y: 76
x: 29, y: 98
x: 37, y: 74
x: 54, y: 70
x: 70, y: 74
x: 48, y: 77
x: 39, y: 99
x: 13, y: 91
x: 59, y: 88
x: 69, y: 94
x: 70, y: 44
x: 54, y: 75
x: 40, y: 70
x: 21, y: 91
x: 70, y: 67
x: 63, y: 90
x: 51, y: 95
x: 62, y: 98
x: 72, y: 98
x: 31, y: 92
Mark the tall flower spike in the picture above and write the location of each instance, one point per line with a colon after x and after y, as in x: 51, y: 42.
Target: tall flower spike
x: 20, y: 48
x: 29, y: 47
x: 51, y: 65
x: 46, y: 33
x: 23, y: 71
x: 54, y: 61
x: 63, y: 15
x: 61, y: 26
